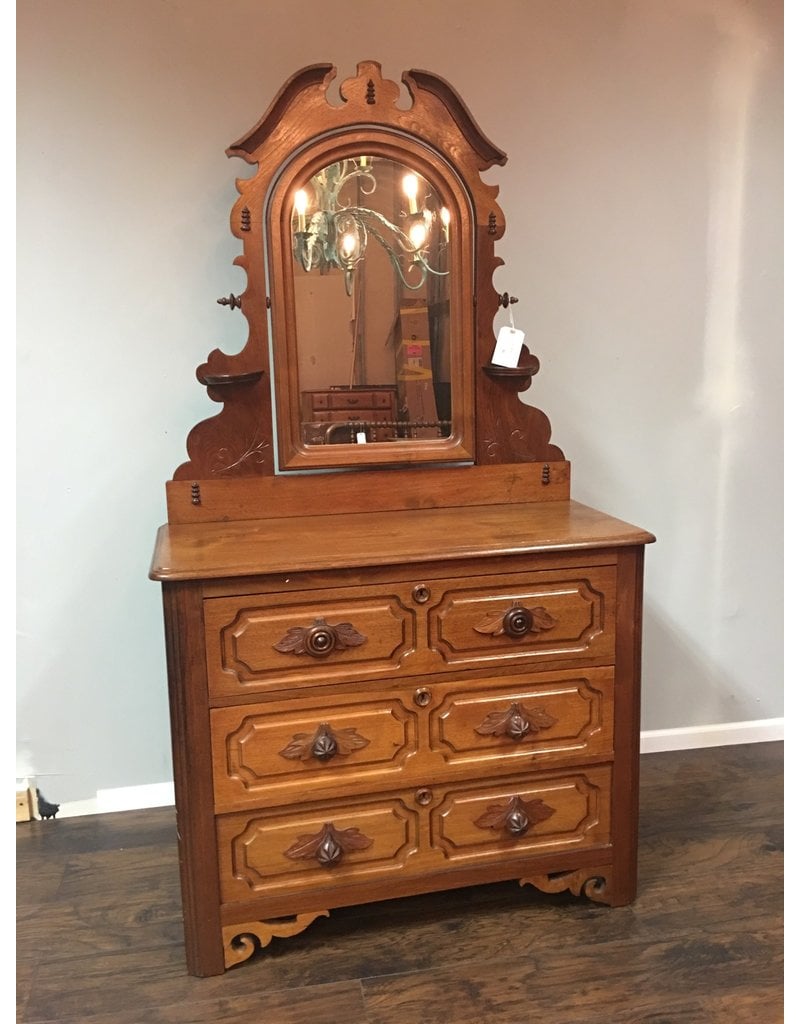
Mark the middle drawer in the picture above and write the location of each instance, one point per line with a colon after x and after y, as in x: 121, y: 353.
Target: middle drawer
x: 278, y: 752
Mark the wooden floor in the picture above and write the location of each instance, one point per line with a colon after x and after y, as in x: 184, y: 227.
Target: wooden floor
x: 100, y: 936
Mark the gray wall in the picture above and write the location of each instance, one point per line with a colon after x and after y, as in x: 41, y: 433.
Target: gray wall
x: 643, y: 195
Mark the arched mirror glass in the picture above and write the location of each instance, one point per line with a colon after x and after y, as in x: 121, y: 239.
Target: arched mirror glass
x: 371, y: 279
x: 372, y: 246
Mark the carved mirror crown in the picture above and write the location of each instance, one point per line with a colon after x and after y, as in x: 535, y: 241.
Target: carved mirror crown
x: 368, y: 243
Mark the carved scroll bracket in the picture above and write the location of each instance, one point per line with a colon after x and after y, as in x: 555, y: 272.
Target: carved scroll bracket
x: 594, y: 883
x: 240, y: 941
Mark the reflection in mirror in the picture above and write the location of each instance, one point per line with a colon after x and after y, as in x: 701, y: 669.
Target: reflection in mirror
x: 370, y: 241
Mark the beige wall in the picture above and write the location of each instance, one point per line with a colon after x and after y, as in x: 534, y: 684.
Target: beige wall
x: 643, y: 198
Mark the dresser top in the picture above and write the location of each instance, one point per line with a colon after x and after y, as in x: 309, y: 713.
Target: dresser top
x: 217, y: 550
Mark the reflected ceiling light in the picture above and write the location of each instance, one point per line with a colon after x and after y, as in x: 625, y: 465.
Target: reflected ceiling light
x: 330, y: 231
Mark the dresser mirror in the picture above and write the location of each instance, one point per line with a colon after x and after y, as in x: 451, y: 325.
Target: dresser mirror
x: 371, y: 251
x: 368, y: 239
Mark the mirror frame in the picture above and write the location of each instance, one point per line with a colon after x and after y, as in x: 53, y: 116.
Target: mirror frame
x: 293, y: 451
x: 301, y: 128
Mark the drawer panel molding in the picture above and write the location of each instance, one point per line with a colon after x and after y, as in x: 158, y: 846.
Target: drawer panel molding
x: 284, y: 751
x: 547, y: 814
x: 267, y: 642
x: 513, y: 719
x: 526, y: 617
x: 269, y: 853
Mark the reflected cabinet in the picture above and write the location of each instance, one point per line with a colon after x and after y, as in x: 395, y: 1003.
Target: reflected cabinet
x: 400, y: 658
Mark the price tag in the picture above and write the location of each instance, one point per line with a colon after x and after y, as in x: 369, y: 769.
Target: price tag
x: 509, y: 347
x: 361, y: 437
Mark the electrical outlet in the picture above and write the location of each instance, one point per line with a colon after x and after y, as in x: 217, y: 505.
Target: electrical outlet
x: 25, y: 800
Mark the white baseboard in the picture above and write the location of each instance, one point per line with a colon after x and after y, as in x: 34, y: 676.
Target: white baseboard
x: 162, y: 794
x: 126, y: 798
x: 725, y: 734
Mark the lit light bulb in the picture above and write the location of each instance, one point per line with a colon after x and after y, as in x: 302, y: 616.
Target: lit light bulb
x: 410, y: 185
x: 348, y: 244
x: 418, y: 234
x: 301, y: 205
x: 444, y: 213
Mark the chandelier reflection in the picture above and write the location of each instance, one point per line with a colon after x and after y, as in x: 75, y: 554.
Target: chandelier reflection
x: 342, y: 208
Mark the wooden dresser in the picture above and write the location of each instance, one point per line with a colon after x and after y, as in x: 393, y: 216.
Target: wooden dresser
x: 391, y: 675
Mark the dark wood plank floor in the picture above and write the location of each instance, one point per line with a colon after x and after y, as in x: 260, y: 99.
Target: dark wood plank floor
x: 99, y: 936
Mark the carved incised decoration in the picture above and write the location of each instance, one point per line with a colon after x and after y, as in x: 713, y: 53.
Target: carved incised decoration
x: 323, y: 744
x: 591, y: 882
x: 516, y: 722
x: 320, y: 639
x: 240, y: 941
x: 226, y: 459
x: 329, y: 845
x: 517, y: 622
x: 516, y: 816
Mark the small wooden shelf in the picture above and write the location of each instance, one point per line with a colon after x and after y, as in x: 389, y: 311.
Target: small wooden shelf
x: 216, y: 379
x: 528, y: 370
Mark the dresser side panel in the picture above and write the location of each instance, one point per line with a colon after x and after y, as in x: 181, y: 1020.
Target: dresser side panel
x: 192, y: 766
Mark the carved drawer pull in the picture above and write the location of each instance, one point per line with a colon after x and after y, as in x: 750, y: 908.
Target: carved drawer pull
x: 323, y: 744
x: 516, y: 723
x: 517, y: 622
x: 329, y: 845
x: 320, y: 639
x: 422, y: 697
x: 516, y: 817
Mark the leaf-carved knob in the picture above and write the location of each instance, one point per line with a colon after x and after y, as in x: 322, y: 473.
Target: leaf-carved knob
x: 320, y: 639
x: 323, y: 744
x: 329, y: 845
x: 516, y: 722
x: 516, y: 816
x: 516, y: 622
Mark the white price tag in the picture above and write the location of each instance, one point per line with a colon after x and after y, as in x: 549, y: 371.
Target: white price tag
x: 509, y: 347
x: 361, y: 437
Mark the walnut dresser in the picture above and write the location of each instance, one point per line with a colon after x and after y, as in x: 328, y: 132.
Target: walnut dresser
x: 415, y: 667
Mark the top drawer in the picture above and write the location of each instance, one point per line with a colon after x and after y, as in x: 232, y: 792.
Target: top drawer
x: 263, y: 642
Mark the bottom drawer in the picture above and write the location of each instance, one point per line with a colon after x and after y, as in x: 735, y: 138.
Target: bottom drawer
x: 270, y: 852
